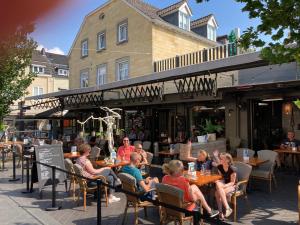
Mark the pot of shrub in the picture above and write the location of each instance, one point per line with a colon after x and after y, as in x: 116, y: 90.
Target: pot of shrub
x: 211, y: 129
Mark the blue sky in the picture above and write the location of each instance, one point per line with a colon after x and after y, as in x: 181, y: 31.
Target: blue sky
x: 57, y: 30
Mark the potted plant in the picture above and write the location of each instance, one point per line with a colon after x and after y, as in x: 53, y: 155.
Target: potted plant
x: 211, y: 129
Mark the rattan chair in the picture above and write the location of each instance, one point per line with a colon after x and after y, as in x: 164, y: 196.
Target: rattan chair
x: 70, y: 168
x: 19, y: 153
x: 266, y: 170
x: 84, y: 188
x: 129, y: 184
x: 173, y: 196
x: 243, y: 174
x: 146, y: 145
x: 95, y: 153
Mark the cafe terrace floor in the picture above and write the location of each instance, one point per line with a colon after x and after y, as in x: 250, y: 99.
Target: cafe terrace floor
x: 16, y: 208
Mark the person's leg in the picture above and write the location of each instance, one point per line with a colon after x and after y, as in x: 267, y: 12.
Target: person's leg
x: 110, y: 173
x: 219, y: 201
x: 196, y: 194
x: 222, y: 194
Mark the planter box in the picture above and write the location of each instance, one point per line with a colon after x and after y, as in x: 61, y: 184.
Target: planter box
x: 211, y: 137
x: 202, y: 139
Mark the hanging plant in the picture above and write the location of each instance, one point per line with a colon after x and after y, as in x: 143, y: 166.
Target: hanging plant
x: 297, y: 103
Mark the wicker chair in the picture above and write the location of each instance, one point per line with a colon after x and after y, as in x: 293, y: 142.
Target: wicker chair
x: 240, y: 152
x: 95, y: 153
x: 84, y: 188
x: 19, y: 153
x: 266, y: 170
x: 243, y: 174
x: 174, y: 196
x: 146, y: 145
x: 70, y: 168
x: 129, y: 184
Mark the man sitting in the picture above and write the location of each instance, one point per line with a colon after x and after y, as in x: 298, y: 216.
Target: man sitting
x: 290, y: 141
x: 142, y: 184
x: 139, y: 149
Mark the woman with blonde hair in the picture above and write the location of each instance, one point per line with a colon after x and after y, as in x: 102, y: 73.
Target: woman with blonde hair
x: 204, y: 161
x: 174, y: 176
x: 227, y: 185
x: 89, y: 171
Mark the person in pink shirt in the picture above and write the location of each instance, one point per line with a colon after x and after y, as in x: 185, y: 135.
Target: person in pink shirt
x: 125, y: 150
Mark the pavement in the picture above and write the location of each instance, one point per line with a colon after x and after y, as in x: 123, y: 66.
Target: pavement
x: 262, y: 208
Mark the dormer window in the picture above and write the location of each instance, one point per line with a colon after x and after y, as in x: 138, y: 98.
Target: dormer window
x: 184, y: 21
x: 211, y: 33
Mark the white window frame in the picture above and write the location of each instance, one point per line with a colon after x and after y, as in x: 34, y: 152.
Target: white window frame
x: 119, y: 74
x: 37, y: 91
x: 84, y: 48
x: 120, y: 26
x: 184, y: 21
x: 63, y: 72
x: 84, y: 75
x: 101, y: 77
x: 211, y: 32
x: 99, y: 36
x: 39, y: 69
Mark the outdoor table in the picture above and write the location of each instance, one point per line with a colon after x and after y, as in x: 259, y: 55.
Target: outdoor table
x: 103, y: 163
x: 255, y: 162
x: 71, y: 155
x: 288, y: 151
x: 167, y: 153
x: 202, y: 179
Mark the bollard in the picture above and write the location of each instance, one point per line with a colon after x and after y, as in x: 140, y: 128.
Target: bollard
x: 196, y: 218
x: 99, y: 181
x: 54, y: 207
x: 14, y: 165
x: 27, y: 176
x: 3, y: 159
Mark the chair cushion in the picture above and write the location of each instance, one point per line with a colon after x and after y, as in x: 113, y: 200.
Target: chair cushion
x: 260, y: 173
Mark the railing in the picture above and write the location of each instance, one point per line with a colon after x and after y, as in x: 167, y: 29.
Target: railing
x: 205, y: 55
x: 197, y: 216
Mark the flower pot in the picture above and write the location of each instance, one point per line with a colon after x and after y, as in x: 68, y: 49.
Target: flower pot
x: 202, y: 139
x: 211, y: 137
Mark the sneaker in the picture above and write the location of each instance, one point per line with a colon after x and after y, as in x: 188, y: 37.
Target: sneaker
x: 113, y: 199
x: 118, y: 182
x: 228, y: 212
x: 213, y: 213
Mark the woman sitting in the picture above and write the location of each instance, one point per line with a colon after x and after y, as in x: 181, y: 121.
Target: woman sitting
x: 225, y: 186
x: 174, y: 170
x: 204, y: 161
x: 90, y: 172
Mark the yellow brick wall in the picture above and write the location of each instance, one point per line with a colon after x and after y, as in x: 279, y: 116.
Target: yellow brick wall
x: 138, y: 48
x: 168, y: 43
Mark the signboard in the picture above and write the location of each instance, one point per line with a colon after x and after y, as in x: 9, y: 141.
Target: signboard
x: 51, y: 155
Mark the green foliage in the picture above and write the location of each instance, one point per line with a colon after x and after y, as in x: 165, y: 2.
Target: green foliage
x: 297, y: 103
x: 16, y: 53
x: 209, y: 127
x: 280, y: 20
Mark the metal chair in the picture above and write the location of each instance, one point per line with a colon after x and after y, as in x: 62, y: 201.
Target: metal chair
x: 84, y: 188
x: 266, y: 170
x: 147, y: 145
x: 243, y: 174
x: 173, y: 196
x: 240, y: 152
x: 129, y: 184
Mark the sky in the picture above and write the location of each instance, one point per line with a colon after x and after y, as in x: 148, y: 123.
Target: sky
x: 57, y: 30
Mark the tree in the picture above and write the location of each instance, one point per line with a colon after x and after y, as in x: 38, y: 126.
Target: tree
x: 280, y: 19
x: 15, y: 59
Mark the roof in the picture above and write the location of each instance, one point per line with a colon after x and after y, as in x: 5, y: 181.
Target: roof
x: 57, y: 59
x: 171, y: 8
x: 147, y: 9
x: 201, y: 21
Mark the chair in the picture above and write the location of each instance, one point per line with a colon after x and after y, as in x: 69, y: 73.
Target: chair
x: 148, y: 166
x: 129, y: 184
x: 95, y: 153
x: 70, y: 168
x: 243, y: 173
x: 185, y: 153
x: 19, y: 153
x: 84, y: 188
x: 174, y: 196
x: 136, y: 143
x: 240, y: 152
x: 147, y: 145
x: 266, y: 170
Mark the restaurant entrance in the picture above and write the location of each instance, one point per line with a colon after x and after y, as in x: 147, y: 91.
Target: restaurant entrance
x: 265, y: 124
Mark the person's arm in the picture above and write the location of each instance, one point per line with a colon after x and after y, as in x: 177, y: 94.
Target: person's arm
x: 120, y: 154
x: 90, y: 169
x: 146, y: 187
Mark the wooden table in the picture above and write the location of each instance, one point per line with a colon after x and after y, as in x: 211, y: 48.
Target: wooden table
x: 202, y: 179
x: 252, y: 161
x: 71, y: 155
x: 287, y: 151
x: 102, y: 163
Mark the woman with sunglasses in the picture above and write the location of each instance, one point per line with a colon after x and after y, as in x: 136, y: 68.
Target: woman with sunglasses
x: 125, y: 150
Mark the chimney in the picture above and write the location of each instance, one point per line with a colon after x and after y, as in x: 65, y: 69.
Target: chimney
x: 223, y: 39
x: 43, y: 51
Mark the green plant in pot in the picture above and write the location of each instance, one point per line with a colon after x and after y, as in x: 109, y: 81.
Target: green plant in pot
x: 211, y: 129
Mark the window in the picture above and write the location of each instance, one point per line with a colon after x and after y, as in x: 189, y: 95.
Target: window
x: 123, y: 32
x: 101, y: 41
x: 84, y: 48
x: 184, y: 21
x: 37, y: 91
x: 101, y: 74
x: 38, y: 69
x: 63, y: 72
x: 211, y: 33
x: 122, y: 69
x: 84, y: 79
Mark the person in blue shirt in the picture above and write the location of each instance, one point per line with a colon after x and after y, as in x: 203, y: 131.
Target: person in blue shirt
x: 142, y: 184
x: 204, y: 160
